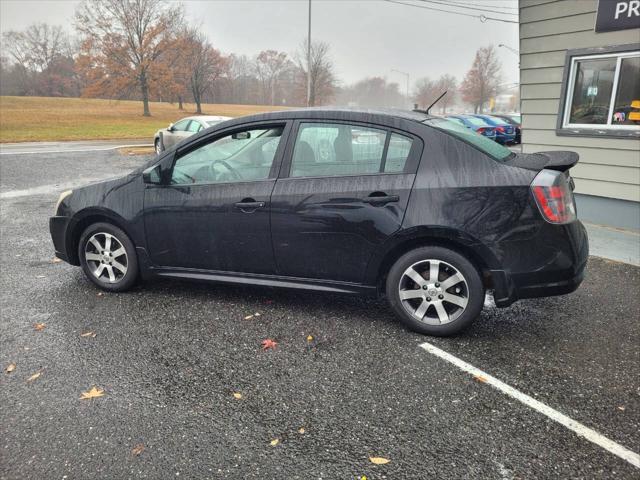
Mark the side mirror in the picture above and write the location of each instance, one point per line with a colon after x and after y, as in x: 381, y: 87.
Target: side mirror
x: 241, y: 135
x: 170, y: 127
x: 152, y: 175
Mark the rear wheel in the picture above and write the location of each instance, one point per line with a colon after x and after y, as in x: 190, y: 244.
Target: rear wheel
x: 435, y: 290
x: 108, y: 257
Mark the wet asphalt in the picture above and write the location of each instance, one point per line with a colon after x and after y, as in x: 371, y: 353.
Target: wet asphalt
x: 170, y: 355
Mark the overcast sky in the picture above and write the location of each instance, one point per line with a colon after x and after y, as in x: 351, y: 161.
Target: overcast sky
x: 367, y: 37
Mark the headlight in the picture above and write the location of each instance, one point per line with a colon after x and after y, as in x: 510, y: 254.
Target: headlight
x: 62, y: 196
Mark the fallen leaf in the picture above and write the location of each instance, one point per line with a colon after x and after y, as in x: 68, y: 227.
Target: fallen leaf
x: 100, y: 294
x: 379, y: 460
x: 137, y: 450
x: 56, y: 260
x: 301, y: 430
x: 88, y: 334
x: 480, y: 378
x: 248, y: 317
x: 274, y: 442
x: 269, y: 343
x: 621, y: 408
x: 309, y: 338
x: 257, y: 314
x: 93, y: 393
x: 10, y: 368
x: 33, y: 377
x: 363, y: 477
x: 39, y: 326
x: 237, y: 395
x: 41, y: 276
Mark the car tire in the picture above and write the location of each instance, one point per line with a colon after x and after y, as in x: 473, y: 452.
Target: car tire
x: 441, y: 302
x: 108, y: 257
x: 157, y: 146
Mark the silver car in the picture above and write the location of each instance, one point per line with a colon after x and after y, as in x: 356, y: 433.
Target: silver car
x: 176, y: 132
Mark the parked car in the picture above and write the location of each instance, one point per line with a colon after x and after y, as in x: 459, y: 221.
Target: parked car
x: 431, y: 214
x: 515, y: 120
x: 477, y: 125
x: 505, y: 132
x: 176, y: 132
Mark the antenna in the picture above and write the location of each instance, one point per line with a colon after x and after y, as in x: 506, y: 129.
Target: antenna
x: 429, y: 108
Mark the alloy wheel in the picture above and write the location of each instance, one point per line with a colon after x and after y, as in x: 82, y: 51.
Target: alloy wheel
x: 158, y: 147
x: 433, y: 292
x: 106, y: 257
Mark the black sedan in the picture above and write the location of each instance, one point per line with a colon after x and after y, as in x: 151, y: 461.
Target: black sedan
x: 392, y: 203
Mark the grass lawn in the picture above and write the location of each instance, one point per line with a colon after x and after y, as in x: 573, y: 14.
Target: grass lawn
x: 33, y: 119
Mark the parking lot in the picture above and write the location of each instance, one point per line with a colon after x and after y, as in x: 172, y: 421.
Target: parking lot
x: 345, y: 382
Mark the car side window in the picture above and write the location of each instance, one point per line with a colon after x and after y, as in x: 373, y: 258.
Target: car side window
x: 397, y: 153
x: 335, y: 149
x: 194, y: 127
x: 181, y: 126
x: 240, y: 157
x: 331, y: 149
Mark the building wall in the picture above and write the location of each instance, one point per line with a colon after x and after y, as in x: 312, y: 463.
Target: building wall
x: 609, y: 168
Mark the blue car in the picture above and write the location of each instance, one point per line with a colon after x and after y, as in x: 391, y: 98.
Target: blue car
x: 477, y: 125
x: 505, y: 132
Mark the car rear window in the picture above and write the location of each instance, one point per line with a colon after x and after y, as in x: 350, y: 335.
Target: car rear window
x: 478, y: 122
x: 498, y: 121
x: 489, y: 147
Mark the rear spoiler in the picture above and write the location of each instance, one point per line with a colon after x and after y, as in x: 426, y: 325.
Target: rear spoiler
x: 556, y: 160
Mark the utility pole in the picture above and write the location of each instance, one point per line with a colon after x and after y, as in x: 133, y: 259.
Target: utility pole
x: 309, y: 59
x: 407, y: 76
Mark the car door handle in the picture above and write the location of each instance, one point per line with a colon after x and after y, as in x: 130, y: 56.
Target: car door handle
x: 249, y: 204
x: 381, y: 199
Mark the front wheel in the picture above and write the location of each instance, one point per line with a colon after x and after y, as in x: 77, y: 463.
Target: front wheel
x: 435, y: 291
x: 157, y: 144
x: 108, y: 257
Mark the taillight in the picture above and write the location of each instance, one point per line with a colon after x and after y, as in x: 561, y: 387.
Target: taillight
x: 500, y: 129
x: 481, y: 130
x: 554, y: 197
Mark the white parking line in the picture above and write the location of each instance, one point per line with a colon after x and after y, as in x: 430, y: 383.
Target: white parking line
x: 87, y: 149
x: 55, y: 188
x: 577, y: 427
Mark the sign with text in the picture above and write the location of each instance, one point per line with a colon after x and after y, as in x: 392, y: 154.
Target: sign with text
x: 617, y: 15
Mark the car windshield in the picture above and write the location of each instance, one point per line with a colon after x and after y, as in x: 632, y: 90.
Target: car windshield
x: 491, y: 148
x: 515, y: 118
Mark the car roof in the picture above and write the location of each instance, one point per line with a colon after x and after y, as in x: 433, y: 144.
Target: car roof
x: 337, y: 113
x: 208, y: 118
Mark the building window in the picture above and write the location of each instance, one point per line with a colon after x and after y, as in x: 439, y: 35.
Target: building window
x: 603, y: 93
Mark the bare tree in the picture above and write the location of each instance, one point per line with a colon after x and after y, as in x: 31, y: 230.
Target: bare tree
x: 242, y: 82
x: 123, y: 44
x: 38, y: 46
x: 446, y: 83
x: 320, y: 70
x: 425, y: 92
x: 270, y: 65
x: 203, y: 63
x: 372, y: 92
x: 481, y: 81
x: 42, y: 59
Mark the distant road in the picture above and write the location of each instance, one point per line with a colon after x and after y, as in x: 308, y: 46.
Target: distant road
x: 63, y: 147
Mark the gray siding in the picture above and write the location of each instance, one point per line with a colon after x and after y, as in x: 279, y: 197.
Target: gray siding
x: 608, y: 167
